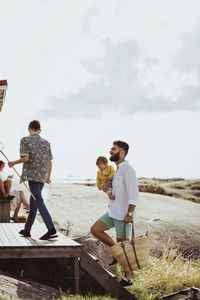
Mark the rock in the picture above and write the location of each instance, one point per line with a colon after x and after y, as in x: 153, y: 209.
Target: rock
x: 26, y: 289
x: 98, y: 249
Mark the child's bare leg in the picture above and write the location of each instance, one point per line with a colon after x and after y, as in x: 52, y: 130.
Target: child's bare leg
x: 8, y: 184
x: 2, y: 188
x: 23, y: 200
x: 16, y: 212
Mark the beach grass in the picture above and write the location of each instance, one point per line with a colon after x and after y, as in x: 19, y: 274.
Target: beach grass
x: 186, y: 187
x: 88, y: 298
x: 77, y: 297
x: 167, y: 274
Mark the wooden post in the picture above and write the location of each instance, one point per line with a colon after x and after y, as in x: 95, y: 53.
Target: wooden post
x: 4, y: 211
x: 76, y: 274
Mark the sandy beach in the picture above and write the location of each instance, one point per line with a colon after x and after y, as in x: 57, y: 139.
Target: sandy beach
x: 76, y: 207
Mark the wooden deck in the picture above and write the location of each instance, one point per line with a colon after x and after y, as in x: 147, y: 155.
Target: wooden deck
x: 13, y: 245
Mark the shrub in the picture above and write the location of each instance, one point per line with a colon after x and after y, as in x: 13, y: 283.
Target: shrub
x: 152, y: 188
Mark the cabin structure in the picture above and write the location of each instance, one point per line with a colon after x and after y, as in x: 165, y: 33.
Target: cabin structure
x: 3, y: 88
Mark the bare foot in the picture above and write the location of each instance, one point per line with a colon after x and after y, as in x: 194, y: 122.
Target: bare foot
x: 16, y: 220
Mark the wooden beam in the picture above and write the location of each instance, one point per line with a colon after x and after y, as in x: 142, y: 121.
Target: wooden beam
x: 104, y: 278
x: 76, y: 274
x: 38, y: 252
x: 4, y: 211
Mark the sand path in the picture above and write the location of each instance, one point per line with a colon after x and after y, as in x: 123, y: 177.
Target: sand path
x: 163, y: 216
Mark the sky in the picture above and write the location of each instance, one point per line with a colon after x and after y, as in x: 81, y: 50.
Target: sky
x: 96, y: 71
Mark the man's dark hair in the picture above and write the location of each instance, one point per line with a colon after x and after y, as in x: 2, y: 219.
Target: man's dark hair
x: 34, y: 125
x: 122, y: 145
x: 101, y: 159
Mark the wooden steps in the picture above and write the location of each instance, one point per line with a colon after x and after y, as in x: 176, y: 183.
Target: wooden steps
x: 105, y: 278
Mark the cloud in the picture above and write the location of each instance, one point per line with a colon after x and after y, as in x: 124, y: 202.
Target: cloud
x: 187, y: 62
x: 117, y: 87
x: 86, y: 18
x: 187, y: 58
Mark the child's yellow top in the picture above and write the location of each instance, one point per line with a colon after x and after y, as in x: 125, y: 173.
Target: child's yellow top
x: 103, y: 176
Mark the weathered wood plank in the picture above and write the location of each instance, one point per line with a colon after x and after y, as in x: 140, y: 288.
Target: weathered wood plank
x: 15, y: 229
x: 22, y: 240
x: 5, y: 211
x: 4, y: 239
x: 108, y: 282
x: 9, y: 234
x: 35, y: 241
x: 43, y: 230
x: 76, y: 274
x: 37, y: 252
x: 30, y: 241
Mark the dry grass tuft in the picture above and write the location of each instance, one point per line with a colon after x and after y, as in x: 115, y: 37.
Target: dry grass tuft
x: 167, y: 274
x: 151, y: 188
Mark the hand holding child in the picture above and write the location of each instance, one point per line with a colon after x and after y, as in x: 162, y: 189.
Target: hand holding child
x: 106, y: 185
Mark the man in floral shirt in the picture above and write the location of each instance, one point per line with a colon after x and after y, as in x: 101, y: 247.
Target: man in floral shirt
x: 36, y: 157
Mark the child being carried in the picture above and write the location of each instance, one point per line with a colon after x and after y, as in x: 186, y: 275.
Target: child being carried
x: 104, y: 173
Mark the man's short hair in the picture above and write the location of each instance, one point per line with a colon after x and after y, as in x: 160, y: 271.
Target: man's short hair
x: 122, y: 145
x: 101, y: 159
x: 35, y: 125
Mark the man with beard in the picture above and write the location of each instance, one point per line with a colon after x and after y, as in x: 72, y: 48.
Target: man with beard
x: 122, y: 209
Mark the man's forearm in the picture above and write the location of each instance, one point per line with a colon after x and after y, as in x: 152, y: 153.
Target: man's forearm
x: 131, y: 208
x: 22, y: 160
x: 50, y: 169
x: 129, y: 218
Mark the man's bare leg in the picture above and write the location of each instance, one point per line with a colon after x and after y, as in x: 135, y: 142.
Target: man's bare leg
x: 98, y: 230
x: 127, y: 274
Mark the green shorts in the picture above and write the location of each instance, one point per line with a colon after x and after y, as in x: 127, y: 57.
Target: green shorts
x: 118, y: 224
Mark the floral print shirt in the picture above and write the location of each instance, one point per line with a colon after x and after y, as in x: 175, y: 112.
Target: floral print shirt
x: 39, y: 152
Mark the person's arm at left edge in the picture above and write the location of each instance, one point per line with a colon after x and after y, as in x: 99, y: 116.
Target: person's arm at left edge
x: 132, y: 191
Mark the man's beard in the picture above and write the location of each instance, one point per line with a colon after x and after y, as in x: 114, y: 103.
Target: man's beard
x: 114, y: 157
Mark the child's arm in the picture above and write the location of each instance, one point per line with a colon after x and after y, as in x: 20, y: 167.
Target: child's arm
x: 112, y: 172
x: 111, y: 175
x: 98, y: 182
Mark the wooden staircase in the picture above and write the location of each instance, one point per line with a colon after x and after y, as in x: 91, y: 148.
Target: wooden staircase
x: 105, y: 278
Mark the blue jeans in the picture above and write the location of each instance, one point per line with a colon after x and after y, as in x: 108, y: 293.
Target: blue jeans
x: 38, y: 204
